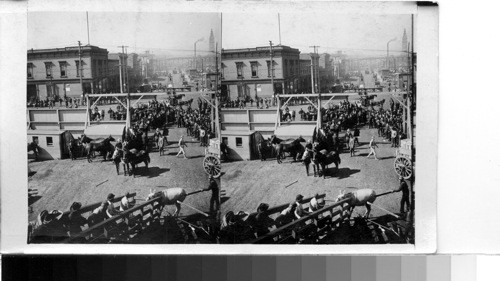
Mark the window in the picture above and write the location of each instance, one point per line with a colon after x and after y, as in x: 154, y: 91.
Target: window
x: 62, y: 66
x: 222, y: 70
x: 77, y: 63
x: 239, y: 142
x: 239, y: 69
x: 255, y: 68
x: 50, y: 142
x: 30, y: 70
x: 48, y: 69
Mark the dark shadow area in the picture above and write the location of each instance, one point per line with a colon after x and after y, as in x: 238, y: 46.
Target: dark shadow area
x: 362, y: 154
x: 195, y: 157
x: 224, y: 199
x: 340, y: 173
x: 33, y: 199
x: 32, y: 173
x: 387, y: 157
x: 152, y: 172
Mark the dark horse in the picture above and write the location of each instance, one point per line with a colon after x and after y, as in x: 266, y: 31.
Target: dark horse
x: 134, y: 157
x: 33, y: 146
x: 265, y: 149
x: 102, y: 146
x: 71, y: 145
x: 324, y: 153
x: 292, y: 146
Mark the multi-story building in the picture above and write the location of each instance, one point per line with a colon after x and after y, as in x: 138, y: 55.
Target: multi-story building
x: 57, y: 72
x: 247, y: 72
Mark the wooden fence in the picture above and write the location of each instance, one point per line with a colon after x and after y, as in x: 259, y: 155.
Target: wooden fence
x: 122, y: 226
x: 308, y: 228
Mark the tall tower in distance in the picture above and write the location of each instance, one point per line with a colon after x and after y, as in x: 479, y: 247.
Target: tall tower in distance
x: 404, y: 44
x: 211, y: 42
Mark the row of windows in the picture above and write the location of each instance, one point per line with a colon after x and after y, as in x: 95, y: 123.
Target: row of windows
x: 289, y: 65
x: 98, y: 69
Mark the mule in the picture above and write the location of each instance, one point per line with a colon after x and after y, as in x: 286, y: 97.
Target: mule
x: 291, y: 146
x: 265, y: 149
x: 360, y: 197
x: 134, y: 157
x: 324, y: 158
x: 104, y: 147
x: 169, y: 196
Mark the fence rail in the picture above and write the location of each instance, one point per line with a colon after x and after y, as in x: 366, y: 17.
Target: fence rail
x: 122, y: 225
x: 299, y: 229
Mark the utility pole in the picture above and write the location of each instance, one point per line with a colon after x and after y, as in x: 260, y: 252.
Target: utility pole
x: 272, y: 68
x: 80, y: 64
x: 217, y: 94
x: 318, y: 121
x: 122, y: 59
x: 126, y: 70
x: 315, y: 69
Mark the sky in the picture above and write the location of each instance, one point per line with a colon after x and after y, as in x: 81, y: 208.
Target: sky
x: 161, y: 33
x: 360, y: 34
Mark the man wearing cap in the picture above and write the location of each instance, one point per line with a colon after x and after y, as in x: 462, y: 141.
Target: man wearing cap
x: 405, y: 199
x: 182, y: 144
x: 316, y: 203
x: 372, y: 146
x: 111, y: 211
x: 299, y: 210
x: 215, y: 199
x: 75, y: 219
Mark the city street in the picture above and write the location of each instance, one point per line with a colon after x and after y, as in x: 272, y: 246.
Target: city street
x: 62, y: 182
x: 249, y: 183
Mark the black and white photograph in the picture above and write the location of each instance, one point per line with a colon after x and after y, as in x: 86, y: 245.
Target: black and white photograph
x: 318, y: 128
x: 122, y: 141
x: 247, y: 128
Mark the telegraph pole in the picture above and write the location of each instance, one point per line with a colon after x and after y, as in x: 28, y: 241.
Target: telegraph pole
x: 318, y: 121
x: 272, y: 68
x: 80, y: 64
x: 315, y: 68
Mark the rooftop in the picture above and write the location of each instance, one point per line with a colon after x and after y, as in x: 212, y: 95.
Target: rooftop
x: 259, y: 49
x: 66, y: 49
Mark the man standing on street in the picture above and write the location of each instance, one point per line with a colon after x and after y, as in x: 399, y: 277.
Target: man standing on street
x: 372, y: 146
x: 182, y: 144
x: 405, y: 199
x: 215, y: 199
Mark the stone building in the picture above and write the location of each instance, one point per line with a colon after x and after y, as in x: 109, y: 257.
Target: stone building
x: 56, y: 72
x: 246, y: 73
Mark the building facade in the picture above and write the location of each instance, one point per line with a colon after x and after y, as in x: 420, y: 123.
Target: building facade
x: 246, y: 73
x: 57, y: 72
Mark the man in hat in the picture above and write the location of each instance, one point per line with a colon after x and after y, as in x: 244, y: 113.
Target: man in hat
x: 215, y: 199
x: 75, y: 219
x: 182, y: 144
x: 111, y: 210
x: 157, y: 136
x: 372, y: 146
x: 299, y: 210
x: 405, y: 199
x: 316, y: 203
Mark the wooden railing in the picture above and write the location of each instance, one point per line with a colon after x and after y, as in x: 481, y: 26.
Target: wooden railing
x: 121, y: 226
x: 308, y: 227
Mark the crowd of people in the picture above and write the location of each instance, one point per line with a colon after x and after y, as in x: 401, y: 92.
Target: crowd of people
x: 56, y: 226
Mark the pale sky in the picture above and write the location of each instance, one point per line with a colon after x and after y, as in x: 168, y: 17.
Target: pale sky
x: 365, y: 34
x: 170, y: 33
